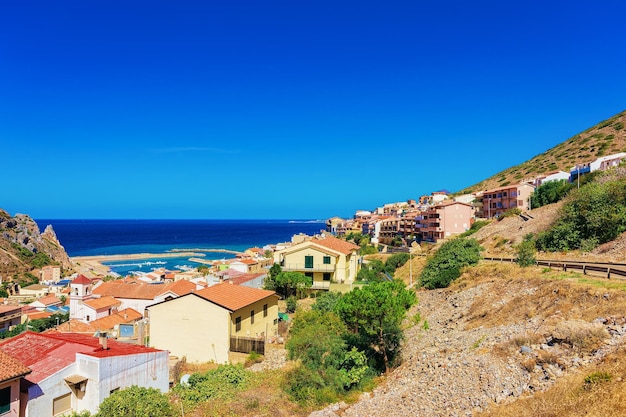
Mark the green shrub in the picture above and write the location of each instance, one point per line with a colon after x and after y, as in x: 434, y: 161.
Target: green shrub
x: 137, y: 402
x: 595, y: 214
x: 292, y: 304
x: 445, y: 266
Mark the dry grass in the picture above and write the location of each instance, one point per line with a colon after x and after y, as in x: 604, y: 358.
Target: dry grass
x: 516, y: 293
x: 595, y: 391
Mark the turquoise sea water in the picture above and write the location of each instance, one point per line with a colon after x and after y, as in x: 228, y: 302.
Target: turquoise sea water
x: 112, y: 237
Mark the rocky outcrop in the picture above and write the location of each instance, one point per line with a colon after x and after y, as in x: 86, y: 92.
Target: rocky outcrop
x: 20, y: 242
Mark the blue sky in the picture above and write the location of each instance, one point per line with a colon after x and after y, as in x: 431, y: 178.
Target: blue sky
x: 248, y: 109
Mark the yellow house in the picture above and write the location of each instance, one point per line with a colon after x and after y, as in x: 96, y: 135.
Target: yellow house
x: 202, y: 326
x: 323, y: 258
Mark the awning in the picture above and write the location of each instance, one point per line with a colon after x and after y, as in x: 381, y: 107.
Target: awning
x: 75, y: 379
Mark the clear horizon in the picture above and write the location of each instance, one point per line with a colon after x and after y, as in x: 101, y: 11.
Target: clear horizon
x: 281, y: 110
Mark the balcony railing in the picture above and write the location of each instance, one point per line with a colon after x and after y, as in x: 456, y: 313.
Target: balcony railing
x: 320, y: 285
x: 304, y: 267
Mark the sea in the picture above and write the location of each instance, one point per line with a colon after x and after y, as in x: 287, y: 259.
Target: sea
x: 117, y: 237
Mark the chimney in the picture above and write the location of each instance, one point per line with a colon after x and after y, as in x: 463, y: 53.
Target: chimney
x: 103, y: 340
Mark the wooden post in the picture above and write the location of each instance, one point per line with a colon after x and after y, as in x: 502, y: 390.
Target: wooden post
x: 608, y: 272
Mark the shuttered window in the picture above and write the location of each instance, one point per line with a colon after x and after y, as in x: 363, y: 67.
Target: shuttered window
x: 5, y: 400
x: 308, y: 262
x: 62, y: 404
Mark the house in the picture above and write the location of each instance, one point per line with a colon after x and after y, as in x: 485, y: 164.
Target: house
x: 138, y: 295
x: 444, y: 220
x: 498, y: 200
x: 601, y: 164
x: 550, y: 176
x: 51, y: 273
x: 44, y: 302
x: 324, y: 258
x: 12, y: 371
x: 10, y: 316
x: 201, y: 325
x: 74, y: 372
x: 34, y: 291
x: 97, y: 308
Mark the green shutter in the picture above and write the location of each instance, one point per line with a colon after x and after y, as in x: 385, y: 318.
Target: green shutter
x: 308, y: 262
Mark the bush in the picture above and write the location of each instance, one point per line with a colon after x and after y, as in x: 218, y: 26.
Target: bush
x: 445, y: 266
x: 594, y: 214
x: 137, y: 402
x: 476, y: 226
x: 550, y: 192
x: 292, y: 304
x: 526, y: 253
x: 221, y: 382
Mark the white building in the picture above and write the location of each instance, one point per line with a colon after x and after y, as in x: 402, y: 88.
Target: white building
x: 73, y: 372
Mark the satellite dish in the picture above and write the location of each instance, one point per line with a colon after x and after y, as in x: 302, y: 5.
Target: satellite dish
x: 184, y: 380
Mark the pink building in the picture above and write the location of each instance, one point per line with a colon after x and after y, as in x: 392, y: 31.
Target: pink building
x: 444, y: 220
x: 11, y: 373
x: 498, y: 200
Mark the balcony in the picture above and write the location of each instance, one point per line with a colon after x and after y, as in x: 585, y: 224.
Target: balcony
x: 308, y: 268
x: 320, y: 285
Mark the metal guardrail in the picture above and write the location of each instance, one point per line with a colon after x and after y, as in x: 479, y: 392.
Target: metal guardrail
x: 605, y: 268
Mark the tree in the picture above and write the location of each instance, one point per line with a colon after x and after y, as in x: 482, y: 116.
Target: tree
x: 593, y: 214
x: 326, y: 301
x: 374, y: 314
x: 136, y: 402
x: 327, y: 367
x: 288, y: 283
x: 445, y: 266
x: 526, y: 252
x: 550, y: 192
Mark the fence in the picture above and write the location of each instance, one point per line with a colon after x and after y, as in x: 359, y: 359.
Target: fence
x: 247, y: 345
x: 604, y: 268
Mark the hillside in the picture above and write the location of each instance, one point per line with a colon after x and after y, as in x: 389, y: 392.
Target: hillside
x: 605, y: 138
x: 24, y: 249
x: 503, y: 340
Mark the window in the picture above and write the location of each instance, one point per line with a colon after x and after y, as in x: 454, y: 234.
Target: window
x: 326, y: 276
x: 252, y: 317
x: 308, y: 261
x: 264, y: 310
x: 326, y: 260
x: 62, y: 404
x: 5, y: 400
x: 238, y: 324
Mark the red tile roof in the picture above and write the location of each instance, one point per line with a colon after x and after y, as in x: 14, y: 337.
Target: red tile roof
x: 76, y: 326
x: 11, y: 368
x: 243, y: 278
x: 127, y: 315
x: 7, y: 308
x: 233, y: 297
x: 49, y: 300
x: 48, y: 353
x: 335, y: 244
x: 81, y: 279
x: 142, y: 291
x: 102, y: 303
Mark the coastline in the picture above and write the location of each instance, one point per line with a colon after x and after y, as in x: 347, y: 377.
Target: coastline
x: 93, y: 264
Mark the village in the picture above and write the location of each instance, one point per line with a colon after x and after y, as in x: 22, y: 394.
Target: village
x: 133, y: 330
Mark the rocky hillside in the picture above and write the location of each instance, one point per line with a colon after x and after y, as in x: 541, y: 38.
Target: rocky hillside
x: 502, y: 333
x: 605, y: 138
x: 24, y: 249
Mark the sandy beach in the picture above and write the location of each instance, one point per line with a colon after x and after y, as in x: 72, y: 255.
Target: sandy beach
x: 92, y: 265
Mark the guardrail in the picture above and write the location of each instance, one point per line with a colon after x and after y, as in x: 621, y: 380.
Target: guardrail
x: 604, y: 268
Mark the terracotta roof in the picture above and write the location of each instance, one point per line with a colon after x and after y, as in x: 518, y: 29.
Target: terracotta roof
x: 233, y: 297
x: 127, y: 315
x: 11, y: 368
x: 81, y: 279
x: 48, y: 300
x: 243, y: 278
x: 48, y: 353
x: 337, y: 245
x: 143, y: 291
x: 76, y: 326
x: 35, y: 315
x: 35, y: 287
x: 102, y: 303
x: 7, y: 308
